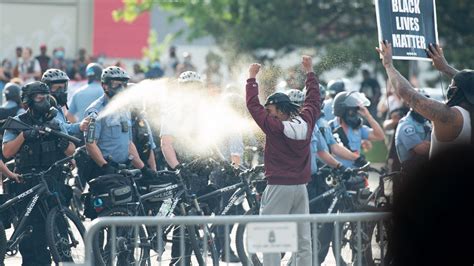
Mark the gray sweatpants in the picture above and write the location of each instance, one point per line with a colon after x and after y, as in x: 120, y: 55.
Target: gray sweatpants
x: 288, y: 199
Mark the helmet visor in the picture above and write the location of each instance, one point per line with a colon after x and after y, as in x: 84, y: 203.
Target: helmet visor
x: 356, y: 99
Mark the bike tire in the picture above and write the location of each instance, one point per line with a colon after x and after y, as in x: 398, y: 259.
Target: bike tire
x: 3, y: 244
x: 240, y: 245
x: 61, y: 242
x: 197, y: 240
x: 123, y: 234
x: 349, y: 237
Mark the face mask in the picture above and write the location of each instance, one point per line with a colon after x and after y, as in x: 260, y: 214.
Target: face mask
x: 59, y: 54
x: 417, y: 117
x: 40, y: 109
x: 60, y: 96
x: 352, y: 119
x: 455, y: 97
x: 112, y: 91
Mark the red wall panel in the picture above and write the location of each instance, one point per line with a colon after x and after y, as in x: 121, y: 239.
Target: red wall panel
x: 118, y: 39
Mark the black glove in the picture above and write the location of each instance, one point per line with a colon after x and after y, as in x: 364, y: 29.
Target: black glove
x: 63, y: 144
x: 32, y: 134
x: 184, y: 171
x: 361, y: 161
x: 344, y: 172
x: 148, y: 173
x: 108, y: 169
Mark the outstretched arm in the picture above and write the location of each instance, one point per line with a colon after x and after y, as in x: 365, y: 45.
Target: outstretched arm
x: 447, y: 121
x: 430, y: 109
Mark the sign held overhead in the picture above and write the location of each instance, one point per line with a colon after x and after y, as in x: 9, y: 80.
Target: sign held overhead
x: 409, y: 25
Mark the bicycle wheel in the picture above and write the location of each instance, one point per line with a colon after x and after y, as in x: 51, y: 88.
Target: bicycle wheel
x: 65, y: 236
x: 131, y: 246
x: 380, y: 244
x: 197, y: 235
x: 349, y: 249
x: 246, y: 258
x: 3, y: 244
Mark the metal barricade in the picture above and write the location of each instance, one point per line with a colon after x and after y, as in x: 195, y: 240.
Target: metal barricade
x: 314, y: 219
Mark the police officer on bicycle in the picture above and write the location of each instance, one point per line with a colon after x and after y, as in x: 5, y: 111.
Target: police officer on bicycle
x: 109, y: 137
x: 34, y: 151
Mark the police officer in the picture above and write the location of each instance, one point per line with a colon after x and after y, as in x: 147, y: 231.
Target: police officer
x: 12, y: 106
x: 109, y: 137
x: 36, y: 151
x: 335, y: 86
x: 176, y: 147
x: 413, y: 139
x: 142, y: 137
x: 57, y: 81
x: 87, y: 94
x: 348, y: 127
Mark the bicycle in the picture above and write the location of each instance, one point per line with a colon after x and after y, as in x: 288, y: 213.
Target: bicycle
x: 64, y: 230
x: 183, y: 202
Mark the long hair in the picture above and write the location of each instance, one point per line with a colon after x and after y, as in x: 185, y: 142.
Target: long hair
x: 288, y: 108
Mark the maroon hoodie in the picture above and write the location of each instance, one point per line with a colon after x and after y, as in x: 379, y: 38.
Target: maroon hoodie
x: 287, y: 159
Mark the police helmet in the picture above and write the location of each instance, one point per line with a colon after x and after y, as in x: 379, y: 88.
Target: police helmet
x: 94, y: 71
x: 114, y: 73
x: 12, y: 92
x: 345, y: 100
x: 296, y: 96
x: 189, y: 76
x: 54, y: 75
x: 336, y: 86
x: 29, y: 90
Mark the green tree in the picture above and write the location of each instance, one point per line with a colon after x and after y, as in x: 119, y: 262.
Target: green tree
x: 344, y: 32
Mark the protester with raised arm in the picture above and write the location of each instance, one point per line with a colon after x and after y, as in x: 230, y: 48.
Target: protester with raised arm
x: 287, y: 153
x: 451, y: 121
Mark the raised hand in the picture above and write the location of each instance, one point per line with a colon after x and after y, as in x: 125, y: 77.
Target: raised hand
x: 385, y: 51
x: 254, y: 69
x: 307, y: 63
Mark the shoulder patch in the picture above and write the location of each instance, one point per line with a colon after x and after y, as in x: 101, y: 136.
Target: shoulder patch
x: 410, y: 130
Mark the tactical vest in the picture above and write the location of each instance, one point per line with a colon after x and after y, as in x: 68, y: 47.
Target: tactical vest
x: 38, y: 154
x: 141, y: 138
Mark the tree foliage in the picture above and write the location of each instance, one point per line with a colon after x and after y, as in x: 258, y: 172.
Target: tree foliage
x: 345, y: 31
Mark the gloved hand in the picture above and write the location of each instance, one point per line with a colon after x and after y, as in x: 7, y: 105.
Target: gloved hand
x: 361, y: 161
x: 344, y: 172
x: 63, y: 144
x: 183, y: 170
x: 148, y: 173
x: 32, y: 134
x: 108, y: 169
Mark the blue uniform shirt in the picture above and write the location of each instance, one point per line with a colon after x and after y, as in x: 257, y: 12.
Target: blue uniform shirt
x: 83, y: 98
x: 317, y: 144
x: 72, y: 129
x: 113, y: 133
x: 327, y: 109
x: 355, y: 137
x: 409, y: 134
x: 325, y: 130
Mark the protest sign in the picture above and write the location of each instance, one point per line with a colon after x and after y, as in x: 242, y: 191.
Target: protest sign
x: 409, y: 25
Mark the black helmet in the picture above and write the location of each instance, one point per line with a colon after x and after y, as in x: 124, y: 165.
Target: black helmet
x: 345, y: 100
x: 336, y: 86
x: 54, y: 75
x: 94, y: 71
x: 29, y: 90
x: 464, y: 81
x: 12, y: 92
x: 114, y: 73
